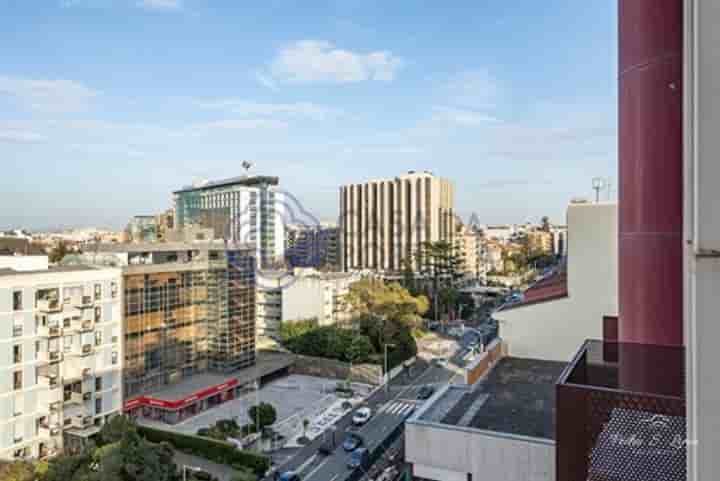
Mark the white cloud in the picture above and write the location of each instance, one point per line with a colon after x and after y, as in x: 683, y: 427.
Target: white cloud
x: 13, y: 136
x: 265, y: 80
x: 248, y: 108
x: 238, y: 124
x: 48, y: 95
x: 462, y: 117
x: 320, y: 61
x: 160, y: 4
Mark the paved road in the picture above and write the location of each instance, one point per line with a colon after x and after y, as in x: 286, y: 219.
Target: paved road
x: 390, y: 407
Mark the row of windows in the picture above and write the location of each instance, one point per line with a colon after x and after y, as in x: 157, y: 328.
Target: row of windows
x: 68, y: 293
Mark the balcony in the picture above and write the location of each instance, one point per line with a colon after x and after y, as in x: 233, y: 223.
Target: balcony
x: 80, y: 325
x: 49, y: 305
x: 48, y: 380
x: 72, y: 397
x: 49, y: 331
x: 48, y: 429
x: 82, y: 302
x: 80, y: 351
x: 81, y: 422
x: 50, y: 357
x: 621, y: 414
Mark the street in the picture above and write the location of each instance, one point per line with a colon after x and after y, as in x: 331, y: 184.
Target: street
x: 390, y: 409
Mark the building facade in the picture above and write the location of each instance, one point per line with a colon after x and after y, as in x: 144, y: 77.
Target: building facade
x: 189, y: 308
x: 61, y: 357
x: 312, y: 246
x: 309, y: 294
x: 539, y: 243
x: 469, y: 244
x: 247, y: 210
x: 384, y: 222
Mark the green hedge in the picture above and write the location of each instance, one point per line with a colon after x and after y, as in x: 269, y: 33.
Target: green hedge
x: 218, y: 451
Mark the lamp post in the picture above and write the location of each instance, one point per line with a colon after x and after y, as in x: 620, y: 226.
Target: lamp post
x: 387, y: 373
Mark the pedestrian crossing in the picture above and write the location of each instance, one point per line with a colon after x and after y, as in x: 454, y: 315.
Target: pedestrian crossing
x: 398, y: 408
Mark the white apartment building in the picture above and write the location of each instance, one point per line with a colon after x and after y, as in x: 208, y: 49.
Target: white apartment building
x: 383, y: 222
x: 247, y: 210
x: 307, y: 294
x: 60, y: 358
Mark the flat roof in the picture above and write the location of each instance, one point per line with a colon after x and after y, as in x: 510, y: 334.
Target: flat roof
x: 244, y: 180
x: 168, y: 246
x: 267, y: 362
x: 516, y: 397
x: 51, y: 270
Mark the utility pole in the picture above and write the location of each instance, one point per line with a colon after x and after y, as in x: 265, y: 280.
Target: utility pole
x: 387, y: 373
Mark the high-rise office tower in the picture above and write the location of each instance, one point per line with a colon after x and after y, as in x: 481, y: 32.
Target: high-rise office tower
x: 249, y: 210
x: 384, y: 222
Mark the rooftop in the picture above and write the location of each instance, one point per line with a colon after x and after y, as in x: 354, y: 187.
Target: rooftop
x: 516, y: 397
x: 247, y: 181
x: 167, y: 246
x: 553, y: 287
x: 51, y: 270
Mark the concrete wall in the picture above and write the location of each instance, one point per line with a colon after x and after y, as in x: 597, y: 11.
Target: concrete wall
x: 24, y: 263
x: 317, y: 366
x: 702, y: 235
x: 449, y: 453
x: 554, y: 330
x: 304, y: 299
x: 482, y: 364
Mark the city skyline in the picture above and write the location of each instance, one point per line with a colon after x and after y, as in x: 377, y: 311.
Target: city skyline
x: 349, y: 93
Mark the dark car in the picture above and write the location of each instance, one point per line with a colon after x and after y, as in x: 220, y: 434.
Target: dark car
x: 425, y: 392
x: 352, y: 442
x: 359, y: 457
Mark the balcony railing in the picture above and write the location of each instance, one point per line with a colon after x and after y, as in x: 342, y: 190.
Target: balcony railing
x: 72, y: 397
x: 82, y: 302
x: 50, y: 356
x: 621, y: 414
x: 49, y: 331
x: 49, y: 305
x: 77, y: 350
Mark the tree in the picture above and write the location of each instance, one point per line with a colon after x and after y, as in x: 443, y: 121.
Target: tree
x: 17, y: 471
x: 58, y: 252
x: 444, y: 264
x: 359, y: 350
x: 386, y: 301
x: 116, y: 429
x: 263, y: 414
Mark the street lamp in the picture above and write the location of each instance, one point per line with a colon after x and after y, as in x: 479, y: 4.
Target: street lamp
x: 387, y: 373
x: 187, y: 468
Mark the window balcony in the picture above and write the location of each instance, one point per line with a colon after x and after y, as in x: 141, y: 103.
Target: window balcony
x: 82, y: 302
x: 49, y: 429
x: 49, y: 380
x: 50, y: 357
x: 49, y: 305
x: 80, y: 350
x: 81, y: 422
x: 49, y: 331
x: 80, y: 325
x: 621, y: 414
x: 72, y: 397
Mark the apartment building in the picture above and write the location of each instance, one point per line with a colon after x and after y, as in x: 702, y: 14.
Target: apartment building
x: 307, y: 294
x: 189, y: 322
x: 383, y: 222
x: 247, y: 210
x: 312, y: 246
x: 469, y: 244
x: 539, y: 243
x: 61, y: 354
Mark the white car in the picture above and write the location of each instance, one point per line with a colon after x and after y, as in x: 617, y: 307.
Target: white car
x: 441, y: 361
x: 361, y: 416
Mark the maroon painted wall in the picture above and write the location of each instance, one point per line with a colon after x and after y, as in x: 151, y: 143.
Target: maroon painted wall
x: 650, y: 165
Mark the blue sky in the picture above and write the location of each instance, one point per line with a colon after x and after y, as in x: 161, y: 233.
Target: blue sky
x: 106, y: 106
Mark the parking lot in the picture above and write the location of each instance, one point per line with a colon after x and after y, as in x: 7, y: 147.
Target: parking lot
x: 290, y: 395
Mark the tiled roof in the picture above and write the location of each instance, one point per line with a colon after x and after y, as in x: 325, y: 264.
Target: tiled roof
x: 551, y: 288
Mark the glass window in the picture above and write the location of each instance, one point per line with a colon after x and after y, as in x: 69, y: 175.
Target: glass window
x: 98, y: 405
x: 98, y: 292
x: 17, y: 353
x: 17, y: 380
x: 113, y: 289
x: 114, y: 358
x: 17, y: 301
x: 98, y: 338
x: 98, y: 314
x: 98, y: 383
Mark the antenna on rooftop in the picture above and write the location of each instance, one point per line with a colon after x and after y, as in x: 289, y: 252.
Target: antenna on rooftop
x: 246, y: 165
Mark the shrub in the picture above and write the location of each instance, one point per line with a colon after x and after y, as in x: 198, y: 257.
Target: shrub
x: 217, y: 451
x: 263, y: 414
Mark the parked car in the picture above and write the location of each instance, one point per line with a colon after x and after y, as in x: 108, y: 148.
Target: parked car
x: 389, y: 474
x: 352, y: 442
x: 361, y: 416
x: 359, y: 457
x: 425, y: 392
x: 290, y: 476
x: 441, y: 361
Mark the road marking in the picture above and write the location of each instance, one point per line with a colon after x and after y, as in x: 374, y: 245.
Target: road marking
x: 304, y: 465
x: 309, y: 475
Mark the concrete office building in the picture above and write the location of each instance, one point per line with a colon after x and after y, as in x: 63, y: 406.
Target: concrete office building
x: 246, y: 210
x: 189, y: 309
x: 383, y: 222
x: 60, y: 358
